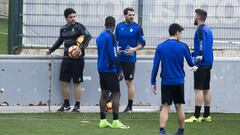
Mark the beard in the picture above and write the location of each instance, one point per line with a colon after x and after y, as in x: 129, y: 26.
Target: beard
x: 129, y: 20
x: 195, y: 22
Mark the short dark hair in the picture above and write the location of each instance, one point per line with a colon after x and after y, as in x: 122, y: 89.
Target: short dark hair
x: 174, y: 28
x: 125, y: 11
x: 69, y: 11
x: 110, y: 22
x: 202, y: 14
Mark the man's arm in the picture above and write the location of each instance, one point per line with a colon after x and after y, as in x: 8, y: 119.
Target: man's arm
x: 113, y: 59
x: 87, y: 36
x: 140, y: 42
x: 156, y: 62
x: 188, y: 57
x: 56, y: 45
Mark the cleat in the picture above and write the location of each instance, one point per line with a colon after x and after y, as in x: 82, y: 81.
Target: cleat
x: 64, y: 108
x: 119, y: 125
x: 193, y: 119
x: 104, y: 123
x: 207, y: 119
x: 76, y: 109
x: 179, y: 133
x: 128, y: 110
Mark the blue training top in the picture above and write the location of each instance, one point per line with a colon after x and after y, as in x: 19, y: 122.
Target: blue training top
x: 203, y: 45
x: 171, y: 54
x: 128, y: 35
x: 107, y: 52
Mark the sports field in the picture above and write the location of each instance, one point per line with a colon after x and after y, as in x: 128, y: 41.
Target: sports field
x: 86, y: 124
x: 3, y: 35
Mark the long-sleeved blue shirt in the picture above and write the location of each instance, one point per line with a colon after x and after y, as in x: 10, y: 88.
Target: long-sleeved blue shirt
x: 171, y: 54
x: 107, y: 52
x: 203, y: 45
x: 128, y: 35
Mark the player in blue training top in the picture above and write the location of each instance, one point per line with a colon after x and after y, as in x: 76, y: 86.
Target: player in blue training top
x: 130, y: 39
x: 109, y: 70
x: 203, y: 48
x: 171, y: 54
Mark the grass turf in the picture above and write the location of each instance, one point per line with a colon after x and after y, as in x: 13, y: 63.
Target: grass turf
x: 3, y: 35
x: 87, y: 124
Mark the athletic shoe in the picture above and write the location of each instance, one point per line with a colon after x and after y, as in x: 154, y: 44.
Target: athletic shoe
x: 104, y: 123
x: 76, y: 109
x: 179, y: 133
x: 193, y: 119
x: 64, y: 108
x: 162, y: 132
x: 207, y: 119
x: 118, y: 124
x: 128, y: 110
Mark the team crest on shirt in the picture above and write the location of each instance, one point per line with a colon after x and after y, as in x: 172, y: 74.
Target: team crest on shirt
x: 72, y: 29
x: 122, y: 28
x: 131, y: 30
x: 131, y: 76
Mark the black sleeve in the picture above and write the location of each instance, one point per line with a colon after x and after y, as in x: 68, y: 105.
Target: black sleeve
x: 57, y: 44
x: 87, y: 36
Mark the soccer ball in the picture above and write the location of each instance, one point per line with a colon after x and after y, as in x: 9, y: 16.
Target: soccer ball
x: 74, y: 51
x: 109, y: 106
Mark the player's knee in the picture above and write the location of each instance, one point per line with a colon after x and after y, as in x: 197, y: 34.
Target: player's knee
x: 64, y: 84
x: 129, y: 83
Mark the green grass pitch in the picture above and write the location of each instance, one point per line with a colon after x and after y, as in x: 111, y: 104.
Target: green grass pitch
x: 87, y: 124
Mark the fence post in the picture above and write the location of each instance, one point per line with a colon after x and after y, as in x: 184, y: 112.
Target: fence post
x: 15, y: 24
x: 140, y: 12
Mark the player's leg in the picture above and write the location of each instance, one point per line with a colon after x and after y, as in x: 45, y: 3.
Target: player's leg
x: 103, y: 100
x: 181, y: 118
x: 114, y: 87
x: 199, y: 76
x: 65, y: 77
x: 128, y: 72
x: 166, y: 98
x: 131, y: 90
x: 207, y: 95
x: 178, y: 98
x: 77, y: 75
x: 163, y: 118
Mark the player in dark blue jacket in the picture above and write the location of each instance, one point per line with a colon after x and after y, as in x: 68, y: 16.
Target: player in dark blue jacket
x: 109, y: 70
x: 71, y: 68
x: 130, y: 39
x: 171, y: 54
x: 203, y: 48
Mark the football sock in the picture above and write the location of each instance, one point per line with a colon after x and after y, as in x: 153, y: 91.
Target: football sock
x: 197, y: 111
x: 206, y: 111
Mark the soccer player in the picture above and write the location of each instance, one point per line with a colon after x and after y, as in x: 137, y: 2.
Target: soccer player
x: 203, y: 48
x: 130, y: 39
x: 109, y: 71
x: 71, y: 67
x: 171, y: 54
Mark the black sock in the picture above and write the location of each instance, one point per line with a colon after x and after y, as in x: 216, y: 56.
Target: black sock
x: 206, y: 111
x: 115, y: 116
x: 130, y: 102
x: 162, y: 130
x: 102, y: 115
x: 181, y: 130
x: 66, y: 102
x: 197, y: 111
x: 77, y: 104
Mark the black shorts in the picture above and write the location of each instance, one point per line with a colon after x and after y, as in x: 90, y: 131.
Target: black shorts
x: 128, y: 70
x: 202, y: 78
x: 72, y: 69
x: 109, y: 81
x: 172, y: 93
